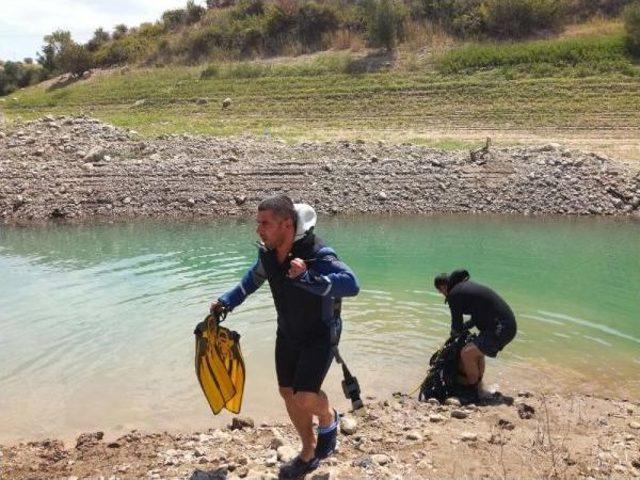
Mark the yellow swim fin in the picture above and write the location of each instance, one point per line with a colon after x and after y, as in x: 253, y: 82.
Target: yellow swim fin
x: 219, y: 365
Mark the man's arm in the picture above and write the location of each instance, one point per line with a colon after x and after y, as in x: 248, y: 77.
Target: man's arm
x: 251, y: 281
x: 457, y: 325
x: 327, y: 275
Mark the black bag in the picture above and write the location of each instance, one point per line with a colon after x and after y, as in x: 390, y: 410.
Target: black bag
x: 441, y: 380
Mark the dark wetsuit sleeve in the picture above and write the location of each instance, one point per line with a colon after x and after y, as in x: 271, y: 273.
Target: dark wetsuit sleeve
x: 456, y: 316
x: 329, y: 276
x: 251, y: 281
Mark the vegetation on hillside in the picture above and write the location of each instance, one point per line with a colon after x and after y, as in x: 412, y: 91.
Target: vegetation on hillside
x: 243, y: 29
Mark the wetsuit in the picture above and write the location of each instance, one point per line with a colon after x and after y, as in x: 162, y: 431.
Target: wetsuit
x: 308, y: 309
x: 490, y: 314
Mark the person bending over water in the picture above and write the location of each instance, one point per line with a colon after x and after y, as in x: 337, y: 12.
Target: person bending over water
x: 490, y: 314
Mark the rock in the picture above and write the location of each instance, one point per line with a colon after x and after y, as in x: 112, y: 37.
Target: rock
x: 382, y: 196
x: 634, y: 425
x: 286, y: 453
x: 525, y: 394
x: 380, y: 459
x: 275, y: 443
x: 636, y: 463
x: 87, y: 439
x: 414, y: 436
x: 323, y: 476
x: 452, y: 401
x: 525, y: 411
x: 505, y: 424
x: 240, y: 199
x: 242, y: 472
x: 460, y: 414
x: 226, y: 103
x: 39, y: 152
x: 468, y: 436
x: 202, y: 101
x: 240, y: 423
x: 217, y: 474
x: 140, y: 103
x: 348, y: 425
x: 220, y: 175
x: 436, y: 418
x: 95, y: 154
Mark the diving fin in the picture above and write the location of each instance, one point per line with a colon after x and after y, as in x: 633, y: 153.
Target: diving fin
x: 219, y: 364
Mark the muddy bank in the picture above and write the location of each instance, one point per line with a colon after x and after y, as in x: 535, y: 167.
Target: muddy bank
x: 536, y: 436
x: 79, y: 169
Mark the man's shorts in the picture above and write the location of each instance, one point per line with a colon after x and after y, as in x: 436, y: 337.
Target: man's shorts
x: 302, y: 368
x: 490, y: 342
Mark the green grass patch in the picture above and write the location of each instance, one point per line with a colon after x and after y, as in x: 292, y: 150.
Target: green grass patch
x: 580, y: 56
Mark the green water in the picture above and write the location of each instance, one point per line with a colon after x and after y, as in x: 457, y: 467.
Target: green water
x: 96, y: 321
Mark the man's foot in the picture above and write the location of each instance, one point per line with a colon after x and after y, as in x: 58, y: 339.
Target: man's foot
x: 327, y: 437
x: 297, y: 468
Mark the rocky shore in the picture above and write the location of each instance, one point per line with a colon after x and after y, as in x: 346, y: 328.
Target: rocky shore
x: 77, y: 169
x: 535, y: 436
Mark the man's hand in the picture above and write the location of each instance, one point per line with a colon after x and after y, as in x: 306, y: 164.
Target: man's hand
x: 217, y: 307
x: 297, y: 268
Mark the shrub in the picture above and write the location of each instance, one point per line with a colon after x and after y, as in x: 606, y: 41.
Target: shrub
x: 632, y: 28
x: 384, y: 22
x: 513, y: 19
x: 210, y: 71
x: 74, y: 59
x: 119, y: 31
x: 173, y: 19
x: 193, y: 12
x: 313, y: 21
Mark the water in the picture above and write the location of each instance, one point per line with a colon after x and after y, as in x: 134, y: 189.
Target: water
x: 96, y: 321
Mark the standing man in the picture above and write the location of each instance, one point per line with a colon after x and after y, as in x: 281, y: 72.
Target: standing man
x: 490, y: 314
x: 307, y: 283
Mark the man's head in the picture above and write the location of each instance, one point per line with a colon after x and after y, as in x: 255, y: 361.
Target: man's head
x: 276, y: 221
x: 441, y: 282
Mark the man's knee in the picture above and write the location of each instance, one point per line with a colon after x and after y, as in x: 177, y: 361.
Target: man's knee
x: 471, y: 353
x: 307, y: 401
x: 286, y: 393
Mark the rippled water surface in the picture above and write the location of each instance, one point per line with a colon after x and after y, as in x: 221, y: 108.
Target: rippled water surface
x: 96, y: 321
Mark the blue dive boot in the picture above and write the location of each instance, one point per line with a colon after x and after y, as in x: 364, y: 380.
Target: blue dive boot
x: 327, y: 437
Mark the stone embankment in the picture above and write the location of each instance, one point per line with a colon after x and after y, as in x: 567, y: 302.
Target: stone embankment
x: 77, y: 168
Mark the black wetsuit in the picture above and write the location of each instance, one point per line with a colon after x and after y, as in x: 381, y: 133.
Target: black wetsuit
x: 490, y: 314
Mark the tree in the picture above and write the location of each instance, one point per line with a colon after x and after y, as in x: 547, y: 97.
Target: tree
x: 54, y: 44
x: 193, y: 12
x: 74, y: 59
x: 119, y: 31
x: 100, y: 37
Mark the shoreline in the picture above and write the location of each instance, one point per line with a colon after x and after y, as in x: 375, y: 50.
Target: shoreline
x: 77, y: 169
x: 537, y: 436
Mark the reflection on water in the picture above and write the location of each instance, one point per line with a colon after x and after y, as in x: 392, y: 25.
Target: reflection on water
x: 96, y: 321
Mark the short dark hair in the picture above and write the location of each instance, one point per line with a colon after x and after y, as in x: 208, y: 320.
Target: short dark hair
x: 441, y: 280
x: 281, y: 206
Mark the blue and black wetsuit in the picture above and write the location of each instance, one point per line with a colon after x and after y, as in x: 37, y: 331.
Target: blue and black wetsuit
x: 490, y: 314
x: 308, y: 309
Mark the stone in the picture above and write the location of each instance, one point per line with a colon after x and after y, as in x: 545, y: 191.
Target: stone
x: 381, y: 196
x: 240, y: 423
x: 436, y: 418
x: 286, y: 453
x: 226, y: 103
x: 380, y: 459
x: 458, y: 413
x: 505, y: 424
x: 140, y: 103
x: 525, y: 411
x: 217, y: 474
x: 348, y: 425
x: 240, y: 199
x: 452, y: 401
x: 202, y: 101
x: 275, y: 443
x: 468, y: 436
x: 220, y: 175
x: 86, y: 439
x: 634, y: 425
x: 414, y: 436
x: 95, y: 154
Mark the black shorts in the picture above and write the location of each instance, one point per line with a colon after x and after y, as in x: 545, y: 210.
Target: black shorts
x: 302, y: 368
x: 490, y: 342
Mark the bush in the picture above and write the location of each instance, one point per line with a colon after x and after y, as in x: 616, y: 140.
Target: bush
x: 514, y: 19
x: 210, y: 71
x: 583, y: 9
x: 193, y: 12
x: 632, y: 28
x: 313, y: 21
x: 172, y: 19
x: 384, y: 22
x: 74, y: 59
x: 119, y: 31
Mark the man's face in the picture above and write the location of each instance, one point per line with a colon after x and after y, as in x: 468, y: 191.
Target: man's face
x: 272, y: 230
x: 443, y: 290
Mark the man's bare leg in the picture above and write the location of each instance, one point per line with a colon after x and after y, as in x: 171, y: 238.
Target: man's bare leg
x: 472, y: 363
x: 302, y: 407
x: 302, y: 421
